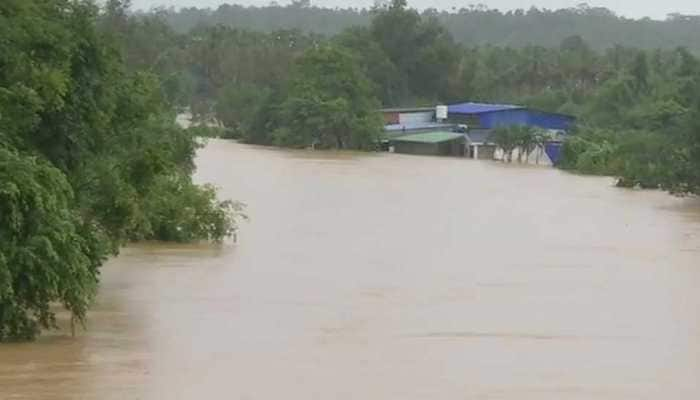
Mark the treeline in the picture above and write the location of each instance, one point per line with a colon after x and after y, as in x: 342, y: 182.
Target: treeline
x: 472, y: 26
x: 628, y: 101
x: 643, y: 126
x: 410, y: 59
x: 90, y: 158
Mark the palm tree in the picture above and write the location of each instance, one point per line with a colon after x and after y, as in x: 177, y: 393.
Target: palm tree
x: 541, y: 138
x: 525, y: 138
x: 506, y: 139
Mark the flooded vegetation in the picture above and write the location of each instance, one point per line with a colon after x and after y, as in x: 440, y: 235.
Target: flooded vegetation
x: 364, y: 272
x: 393, y: 277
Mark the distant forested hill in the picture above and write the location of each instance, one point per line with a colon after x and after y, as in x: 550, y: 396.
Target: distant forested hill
x: 600, y: 27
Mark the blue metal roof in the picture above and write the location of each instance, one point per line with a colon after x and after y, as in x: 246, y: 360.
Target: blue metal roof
x: 416, y: 126
x: 479, y: 108
x: 494, y: 115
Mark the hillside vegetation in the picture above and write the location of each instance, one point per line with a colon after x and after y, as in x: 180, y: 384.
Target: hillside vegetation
x: 471, y: 26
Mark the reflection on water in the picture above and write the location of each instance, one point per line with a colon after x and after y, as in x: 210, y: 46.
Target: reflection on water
x: 384, y: 276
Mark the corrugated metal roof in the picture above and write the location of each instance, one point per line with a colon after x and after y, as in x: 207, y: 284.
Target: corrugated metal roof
x: 429, y: 137
x: 480, y: 108
x: 416, y: 126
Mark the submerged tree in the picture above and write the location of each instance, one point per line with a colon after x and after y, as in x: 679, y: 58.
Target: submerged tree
x: 48, y: 253
x: 527, y: 141
x: 238, y: 104
x: 86, y: 150
x: 507, y: 138
x: 329, y: 104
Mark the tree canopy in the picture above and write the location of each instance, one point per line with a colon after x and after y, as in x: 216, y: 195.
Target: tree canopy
x: 328, y: 104
x: 473, y: 25
x: 89, y: 155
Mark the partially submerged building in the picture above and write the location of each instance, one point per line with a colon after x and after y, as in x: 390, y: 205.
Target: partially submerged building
x: 431, y: 143
x: 439, y: 130
x: 491, y: 116
x: 481, y: 119
x: 405, y: 121
x: 408, y: 116
x: 479, y: 145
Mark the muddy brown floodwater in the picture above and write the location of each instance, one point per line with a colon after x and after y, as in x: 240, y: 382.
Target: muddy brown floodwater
x: 380, y: 276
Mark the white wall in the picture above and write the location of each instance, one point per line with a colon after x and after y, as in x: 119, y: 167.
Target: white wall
x: 538, y: 156
x: 415, y: 117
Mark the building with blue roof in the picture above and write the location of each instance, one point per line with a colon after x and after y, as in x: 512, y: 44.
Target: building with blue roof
x: 475, y: 121
x: 480, y: 108
x: 491, y: 116
x: 404, y: 121
x: 482, y: 118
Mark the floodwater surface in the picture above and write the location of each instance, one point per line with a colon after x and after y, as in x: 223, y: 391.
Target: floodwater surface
x: 382, y: 276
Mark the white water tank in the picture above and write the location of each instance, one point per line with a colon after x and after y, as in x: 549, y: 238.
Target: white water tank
x: 441, y: 113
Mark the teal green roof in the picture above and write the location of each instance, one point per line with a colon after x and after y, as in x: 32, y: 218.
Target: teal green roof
x: 429, y: 137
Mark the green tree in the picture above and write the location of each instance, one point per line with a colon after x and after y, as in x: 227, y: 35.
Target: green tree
x: 640, y: 71
x: 238, y: 105
x: 686, y: 159
x: 388, y: 83
x: 470, y: 25
x: 47, y: 253
x: 644, y: 159
x: 86, y: 148
x: 527, y: 140
x: 590, y: 152
x: 329, y: 104
x: 420, y: 48
x: 507, y: 139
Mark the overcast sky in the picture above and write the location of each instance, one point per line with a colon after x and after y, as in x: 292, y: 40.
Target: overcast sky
x: 657, y: 9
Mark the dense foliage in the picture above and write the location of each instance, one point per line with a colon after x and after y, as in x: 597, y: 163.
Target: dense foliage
x: 327, y: 104
x: 411, y: 59
x: 641, y: 124
x: 90, y: 158
x: 474, y: 25
x: 524, y: 139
